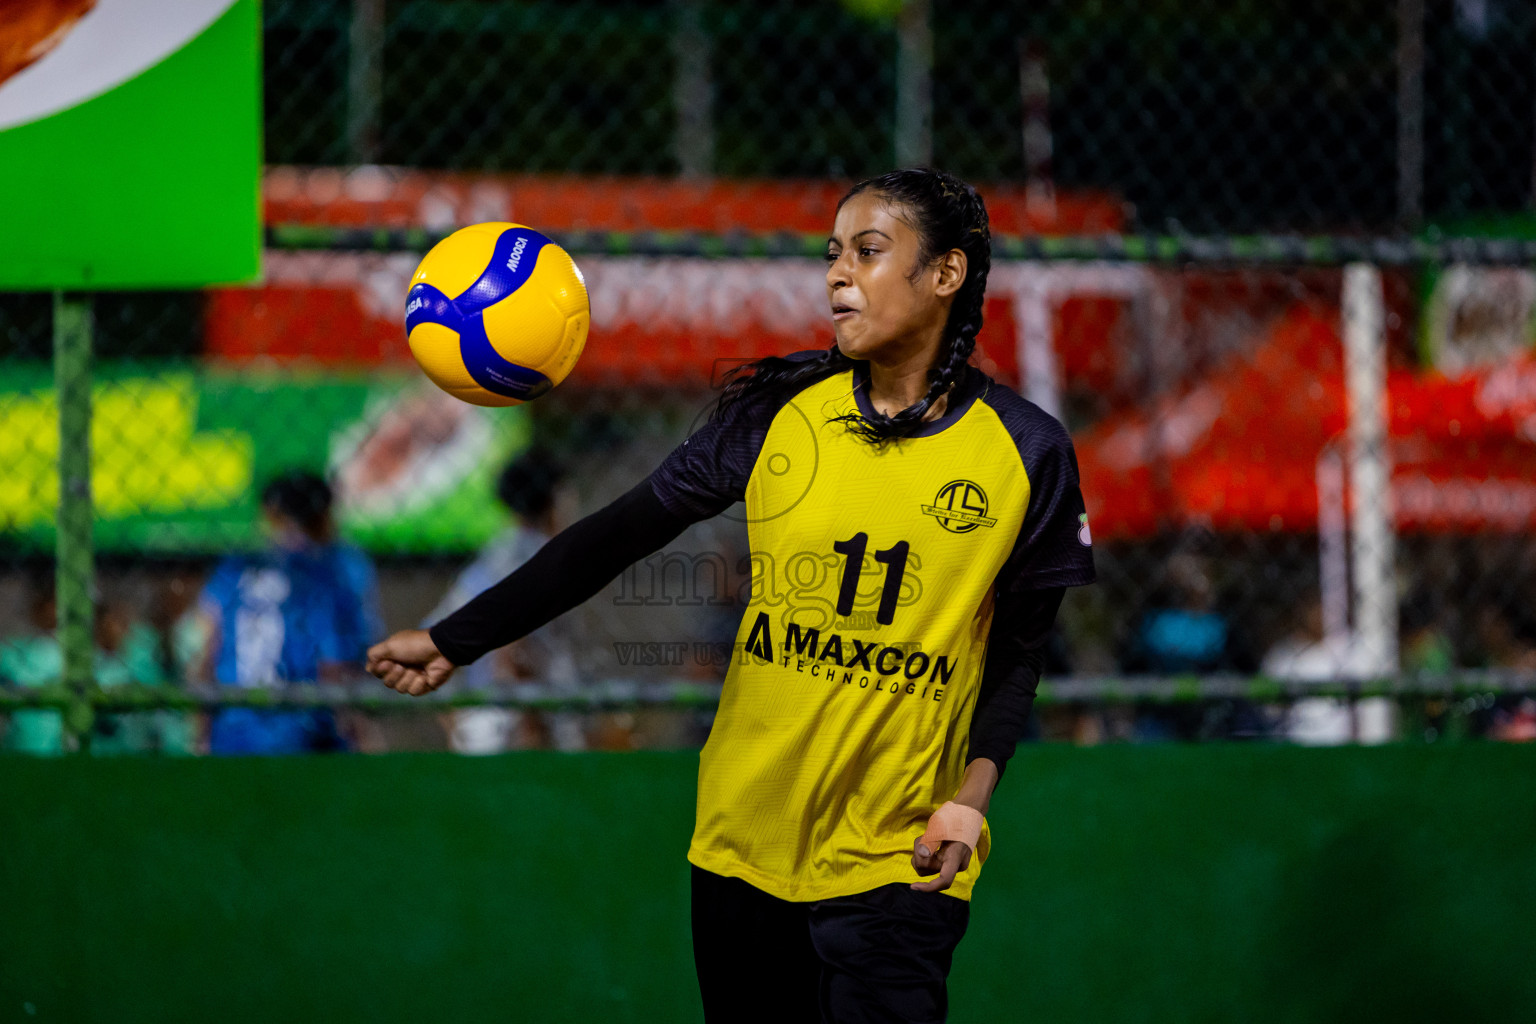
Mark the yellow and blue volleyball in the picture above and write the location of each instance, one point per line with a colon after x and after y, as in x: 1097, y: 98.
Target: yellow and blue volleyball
x: 497, y: 314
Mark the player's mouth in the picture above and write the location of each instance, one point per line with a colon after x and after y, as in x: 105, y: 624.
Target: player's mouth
x: 842, y: 311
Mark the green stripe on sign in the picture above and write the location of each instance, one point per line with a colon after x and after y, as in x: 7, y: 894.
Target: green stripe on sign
x: 155, y: 183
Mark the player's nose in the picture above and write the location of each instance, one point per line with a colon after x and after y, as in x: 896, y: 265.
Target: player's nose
x: 837, y: 275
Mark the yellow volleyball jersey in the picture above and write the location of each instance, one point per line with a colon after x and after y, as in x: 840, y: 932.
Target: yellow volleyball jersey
x: 844, y: 719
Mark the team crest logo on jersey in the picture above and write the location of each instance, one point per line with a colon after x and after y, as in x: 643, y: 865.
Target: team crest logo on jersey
x: 960, y: 507
x: 1084, y: 535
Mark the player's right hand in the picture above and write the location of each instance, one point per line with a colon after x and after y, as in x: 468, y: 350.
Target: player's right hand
x: 410, y: 662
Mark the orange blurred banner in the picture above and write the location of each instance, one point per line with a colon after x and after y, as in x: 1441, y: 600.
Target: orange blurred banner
x: 655, y: 321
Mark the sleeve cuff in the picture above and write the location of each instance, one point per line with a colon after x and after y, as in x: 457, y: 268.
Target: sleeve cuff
x: 459, y: 654
x: 996, y: 757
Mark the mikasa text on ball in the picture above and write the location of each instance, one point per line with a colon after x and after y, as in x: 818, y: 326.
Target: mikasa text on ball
x: 497, y: 314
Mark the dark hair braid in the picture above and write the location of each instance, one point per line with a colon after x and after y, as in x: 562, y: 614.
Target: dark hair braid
x: 947, y: 214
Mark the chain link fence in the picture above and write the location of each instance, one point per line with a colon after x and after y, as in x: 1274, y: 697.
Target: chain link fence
x: 1268, y: 261
x: 1269, y: 115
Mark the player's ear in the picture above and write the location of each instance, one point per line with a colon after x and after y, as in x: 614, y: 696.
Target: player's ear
x: 951, y: 267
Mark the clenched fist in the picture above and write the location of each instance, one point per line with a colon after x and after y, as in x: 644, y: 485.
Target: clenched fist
x: 410, y: 662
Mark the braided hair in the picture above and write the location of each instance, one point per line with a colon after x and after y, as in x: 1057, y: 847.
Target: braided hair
x: 947, y: 214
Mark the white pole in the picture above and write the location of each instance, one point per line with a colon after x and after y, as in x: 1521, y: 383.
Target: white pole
x: 1333, y: 565
x: 1037, y: 288
x: 1037, y: 349
x: 1370, y: 470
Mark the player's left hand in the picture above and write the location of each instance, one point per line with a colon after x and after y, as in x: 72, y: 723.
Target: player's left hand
x: 947, y: 861
x: 409, y: 662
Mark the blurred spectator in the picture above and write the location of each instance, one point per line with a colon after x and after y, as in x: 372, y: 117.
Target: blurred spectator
x: 1502, y: 646
x: 1332, y: 721
x: 34, y: 659
x: 1499, y: 644
x: 174, y: 617
x: 527, y: 487
x: 1514, y: 721
x: 303, y: 610
x: 125, y: 653
x: 1423, y: 642
x: 1180, y: 629
x: 1307, y: 655
x: 1187, y: 628
x: 128, y: 649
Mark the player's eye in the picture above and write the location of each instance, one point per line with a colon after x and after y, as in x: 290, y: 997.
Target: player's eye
x: 867, y: 251
x: 831, y: 257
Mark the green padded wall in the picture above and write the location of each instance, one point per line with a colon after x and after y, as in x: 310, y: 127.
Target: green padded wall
x: 1214, y: 883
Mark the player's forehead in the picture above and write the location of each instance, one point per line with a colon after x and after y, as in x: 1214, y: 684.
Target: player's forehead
x: 869, y: 213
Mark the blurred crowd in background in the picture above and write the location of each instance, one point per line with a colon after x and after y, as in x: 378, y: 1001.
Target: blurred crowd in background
x: 305, y: 608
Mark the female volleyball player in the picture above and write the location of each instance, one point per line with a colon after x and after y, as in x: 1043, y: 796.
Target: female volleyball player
x: 866, y: 718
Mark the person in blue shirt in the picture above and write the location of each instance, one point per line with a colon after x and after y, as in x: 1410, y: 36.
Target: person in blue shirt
x: 1182, y: 628
x: 1186, y: 628
x: 303, y: 610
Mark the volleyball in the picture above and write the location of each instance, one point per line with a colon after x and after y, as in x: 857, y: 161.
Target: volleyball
x: 497, y: 314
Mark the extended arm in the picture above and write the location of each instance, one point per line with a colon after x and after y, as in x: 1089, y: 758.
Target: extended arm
x: 575, y: 564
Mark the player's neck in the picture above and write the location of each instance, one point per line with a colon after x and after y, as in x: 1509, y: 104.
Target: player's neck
x: 897, y: 385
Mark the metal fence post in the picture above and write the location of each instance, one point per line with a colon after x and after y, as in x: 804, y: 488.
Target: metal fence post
x: 914, y: 84
x: 75, y: 582
x: 365, y: 80
x: 1370, y: 469
x: 693, y: 91
x: 1410, y: 113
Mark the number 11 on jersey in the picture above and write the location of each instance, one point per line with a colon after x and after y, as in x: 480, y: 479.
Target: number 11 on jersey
x: 895, y: 560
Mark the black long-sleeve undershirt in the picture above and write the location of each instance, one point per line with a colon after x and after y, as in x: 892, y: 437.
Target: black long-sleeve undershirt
x: 575, y: 564
x: 1021, y: 625
x: 583, y: 558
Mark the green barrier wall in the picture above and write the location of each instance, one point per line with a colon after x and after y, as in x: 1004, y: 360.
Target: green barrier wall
x: 1220, y: 883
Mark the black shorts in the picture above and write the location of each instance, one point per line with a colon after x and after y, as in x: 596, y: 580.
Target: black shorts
x: 881, y: 955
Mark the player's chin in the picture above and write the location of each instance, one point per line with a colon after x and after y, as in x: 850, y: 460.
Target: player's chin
x: 853, y: 342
